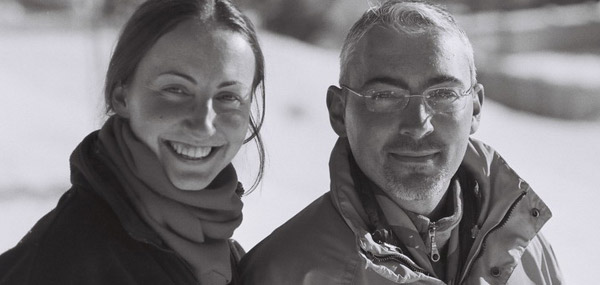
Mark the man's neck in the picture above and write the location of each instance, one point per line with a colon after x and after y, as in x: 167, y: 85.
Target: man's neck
x: 433, y: 208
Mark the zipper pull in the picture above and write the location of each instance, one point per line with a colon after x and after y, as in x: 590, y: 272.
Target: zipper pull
x: 435, y: 254
x: 474, y: 231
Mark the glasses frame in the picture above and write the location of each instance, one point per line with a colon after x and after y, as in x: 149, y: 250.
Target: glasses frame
x: 475, y: 87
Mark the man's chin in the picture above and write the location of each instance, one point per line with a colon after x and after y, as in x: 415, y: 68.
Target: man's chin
x: 413, y: 194
x: 415, y: 188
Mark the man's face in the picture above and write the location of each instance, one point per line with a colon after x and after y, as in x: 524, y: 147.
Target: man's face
x: 412, y: 153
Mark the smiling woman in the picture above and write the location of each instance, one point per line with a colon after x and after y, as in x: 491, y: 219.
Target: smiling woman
x: 192, y: 117
x: 155, y: 198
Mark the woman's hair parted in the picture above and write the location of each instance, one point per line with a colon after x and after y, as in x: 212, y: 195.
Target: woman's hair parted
x: 155, y: 18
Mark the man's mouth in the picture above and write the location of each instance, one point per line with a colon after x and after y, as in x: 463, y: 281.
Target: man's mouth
x: 426, y: 153
x: 420, y: 156
x: 190, y: 152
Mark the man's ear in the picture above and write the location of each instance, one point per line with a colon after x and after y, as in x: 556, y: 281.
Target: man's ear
x: 477, y: 104
x: 119, y: 101
x: 336, y: 104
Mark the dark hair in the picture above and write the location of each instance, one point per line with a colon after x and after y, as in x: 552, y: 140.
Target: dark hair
x: 155, y: 18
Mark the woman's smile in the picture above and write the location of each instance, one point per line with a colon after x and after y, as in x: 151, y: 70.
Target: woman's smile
x: 190, y: 152
x: 192, y: 117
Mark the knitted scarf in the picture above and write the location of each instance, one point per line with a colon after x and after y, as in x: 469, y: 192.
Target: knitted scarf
x: 195, y: 224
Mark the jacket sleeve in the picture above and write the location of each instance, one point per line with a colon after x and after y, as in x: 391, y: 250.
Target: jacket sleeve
x: 538, y: 264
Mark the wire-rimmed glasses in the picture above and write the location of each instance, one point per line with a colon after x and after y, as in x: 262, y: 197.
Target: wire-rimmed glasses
x: 439, y: 99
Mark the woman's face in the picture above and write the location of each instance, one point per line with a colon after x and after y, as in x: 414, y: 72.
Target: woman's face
x: 189, y: 101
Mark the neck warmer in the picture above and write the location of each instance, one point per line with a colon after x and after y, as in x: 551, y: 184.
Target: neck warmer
x: 194, y: 224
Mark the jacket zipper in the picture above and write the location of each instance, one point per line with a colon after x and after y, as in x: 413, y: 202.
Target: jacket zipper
x: 482, y: 247
x: 434, y: 254
x: 398, y: 259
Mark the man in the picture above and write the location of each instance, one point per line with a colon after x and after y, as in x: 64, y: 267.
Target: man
x: 413, y: 199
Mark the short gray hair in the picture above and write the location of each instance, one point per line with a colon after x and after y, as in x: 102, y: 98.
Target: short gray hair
x: 411, y: 17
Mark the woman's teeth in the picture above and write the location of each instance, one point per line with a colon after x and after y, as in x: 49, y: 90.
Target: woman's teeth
x: 191, y: 152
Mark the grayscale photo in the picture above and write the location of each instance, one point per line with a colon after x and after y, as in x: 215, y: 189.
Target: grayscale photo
x: 299, y: 142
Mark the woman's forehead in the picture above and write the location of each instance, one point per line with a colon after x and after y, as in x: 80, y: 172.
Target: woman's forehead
x: 207, y: 55
x: 191, y: 47
x: 193, y: 37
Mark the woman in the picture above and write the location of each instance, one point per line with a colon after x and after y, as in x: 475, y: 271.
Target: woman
x: 155, y: 198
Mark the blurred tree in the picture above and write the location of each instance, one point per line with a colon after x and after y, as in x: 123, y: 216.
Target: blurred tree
x: 119, y: 7
x: 300, y: 19
x: 507, y: 5
x: 107, y: 8
x: 43, y: 5
x: 308, y: 20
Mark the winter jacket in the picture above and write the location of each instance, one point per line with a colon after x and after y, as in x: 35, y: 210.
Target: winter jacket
x: 328, y: 242
x: 94, y: 236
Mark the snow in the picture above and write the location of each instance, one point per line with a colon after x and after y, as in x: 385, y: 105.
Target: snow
x: 52, y: 97
x: 582, y: 70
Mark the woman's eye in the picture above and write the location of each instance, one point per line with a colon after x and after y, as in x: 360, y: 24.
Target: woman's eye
x: 229, y: 100
x: 228, y: 97
x: 175, y: 90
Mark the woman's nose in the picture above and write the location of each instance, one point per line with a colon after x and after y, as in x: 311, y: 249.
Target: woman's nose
x: 200, y: 118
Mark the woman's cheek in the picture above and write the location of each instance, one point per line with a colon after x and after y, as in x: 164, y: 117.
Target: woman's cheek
x: 235, y: 124
x: 164, y: 110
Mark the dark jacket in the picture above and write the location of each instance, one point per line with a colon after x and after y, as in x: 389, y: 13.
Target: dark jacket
x: 94, y: 236
x: 329, y: 241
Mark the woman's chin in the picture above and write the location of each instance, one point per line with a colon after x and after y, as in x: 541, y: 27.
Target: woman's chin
x: 190, y: 184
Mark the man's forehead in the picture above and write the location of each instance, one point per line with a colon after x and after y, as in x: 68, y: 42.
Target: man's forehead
x: 386, y: 48
x: 387, y: 41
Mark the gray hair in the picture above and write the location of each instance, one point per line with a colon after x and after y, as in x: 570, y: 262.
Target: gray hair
x: 411, y: 17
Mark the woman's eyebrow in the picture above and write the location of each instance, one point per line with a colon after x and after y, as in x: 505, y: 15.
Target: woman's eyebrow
x: 179, y: 74
x: 231, y: 83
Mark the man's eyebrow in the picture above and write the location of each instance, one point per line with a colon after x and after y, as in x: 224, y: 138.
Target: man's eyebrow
x: 387, y: 80
x: 443, y: 79
x: 402, y: 84
x: 179, y: 74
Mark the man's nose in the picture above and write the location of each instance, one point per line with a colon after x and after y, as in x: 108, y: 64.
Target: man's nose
x: 200, y: 118
x: 415, y: 119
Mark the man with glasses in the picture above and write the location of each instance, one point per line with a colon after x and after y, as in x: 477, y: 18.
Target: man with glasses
x: 413, y: 198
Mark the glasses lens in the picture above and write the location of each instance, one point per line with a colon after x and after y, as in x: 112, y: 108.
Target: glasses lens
x: 445, y: 99
x: 384, y: 101
x: 438, y: 100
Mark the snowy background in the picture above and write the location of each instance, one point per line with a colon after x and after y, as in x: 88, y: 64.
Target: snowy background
x: 51, y: 96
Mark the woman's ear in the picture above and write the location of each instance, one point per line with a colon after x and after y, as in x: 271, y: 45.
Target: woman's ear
x: 119, y: 101
x: 336, y: 104
x: 477, y: 104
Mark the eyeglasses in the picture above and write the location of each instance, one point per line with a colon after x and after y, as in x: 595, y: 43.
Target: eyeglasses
x: 438, y: 100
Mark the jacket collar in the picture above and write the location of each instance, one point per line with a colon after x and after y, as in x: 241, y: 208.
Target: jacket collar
x: 507, y: 203
x: 88, y: 170
x: 511, y: 213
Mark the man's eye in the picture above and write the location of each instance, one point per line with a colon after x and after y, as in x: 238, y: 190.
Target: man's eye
x: 443, y: 94
x: 383, y: 95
